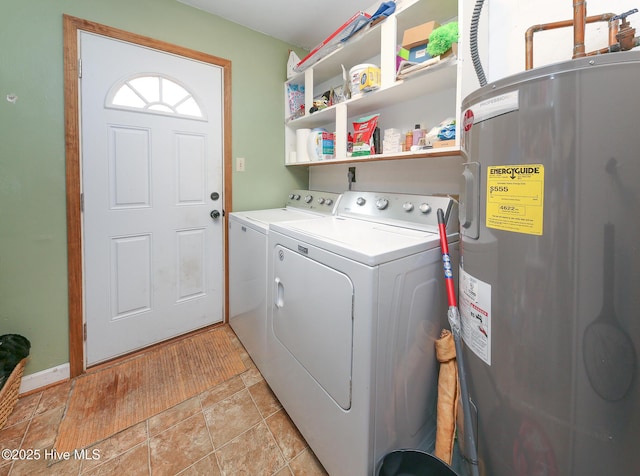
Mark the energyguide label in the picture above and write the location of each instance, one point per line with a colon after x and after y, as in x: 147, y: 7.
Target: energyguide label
x: 515, y: 198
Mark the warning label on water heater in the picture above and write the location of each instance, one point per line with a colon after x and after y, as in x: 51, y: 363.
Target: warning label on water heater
x: 475, y: 311
x: 515, y: 198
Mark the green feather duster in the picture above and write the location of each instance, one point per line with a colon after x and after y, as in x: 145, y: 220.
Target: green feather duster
x: 441, y: 39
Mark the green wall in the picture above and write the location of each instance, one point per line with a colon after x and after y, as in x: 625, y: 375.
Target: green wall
x: 33, y: 258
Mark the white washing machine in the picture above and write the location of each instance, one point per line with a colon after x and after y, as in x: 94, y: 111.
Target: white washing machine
x: 248, y: 262
x: 357, y: 301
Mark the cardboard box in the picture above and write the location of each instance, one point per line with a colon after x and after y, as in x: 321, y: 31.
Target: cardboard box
x: 418, y: 35
x: 451, y: 51
x: 418, y: 54
x: 444, y: 143
x: 403, y: 53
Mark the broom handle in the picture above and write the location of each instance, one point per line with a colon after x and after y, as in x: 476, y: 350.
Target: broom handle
x: 446, y: 259
x: 455, y: 323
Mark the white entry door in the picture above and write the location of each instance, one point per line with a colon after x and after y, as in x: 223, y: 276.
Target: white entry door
x: 151, y: 128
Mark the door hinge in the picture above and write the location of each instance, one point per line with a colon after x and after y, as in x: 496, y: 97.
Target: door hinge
x: 82, y: 203
x: 84, y: 332
x: 79, y: 67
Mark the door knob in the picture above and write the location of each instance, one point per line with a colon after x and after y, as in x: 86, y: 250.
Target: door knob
x: 215, y: 214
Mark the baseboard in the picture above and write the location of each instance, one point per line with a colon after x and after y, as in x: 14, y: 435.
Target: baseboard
x: 44, y: 378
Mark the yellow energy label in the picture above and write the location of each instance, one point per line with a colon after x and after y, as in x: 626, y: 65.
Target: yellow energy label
x: 515, y: 198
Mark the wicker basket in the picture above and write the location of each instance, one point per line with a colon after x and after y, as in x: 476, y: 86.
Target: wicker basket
x: 9, y: 392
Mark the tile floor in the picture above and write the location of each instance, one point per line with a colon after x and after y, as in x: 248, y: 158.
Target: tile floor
x: 237, y: 427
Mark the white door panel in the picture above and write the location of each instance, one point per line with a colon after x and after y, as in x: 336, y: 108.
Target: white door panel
x: 131, y: 289
x: 190, y: 169
x: 153, y: 262
x: 129, y: 167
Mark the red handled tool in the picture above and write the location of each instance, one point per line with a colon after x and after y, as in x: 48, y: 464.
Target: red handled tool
x: 446, y: 260
x: 470, y: 451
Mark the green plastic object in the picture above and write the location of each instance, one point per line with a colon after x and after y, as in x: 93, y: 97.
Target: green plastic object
x: 441, y: 39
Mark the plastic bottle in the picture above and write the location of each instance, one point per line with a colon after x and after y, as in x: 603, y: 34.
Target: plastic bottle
x: 408, y: 140
x: 376, y: 141
x: 417, y: 135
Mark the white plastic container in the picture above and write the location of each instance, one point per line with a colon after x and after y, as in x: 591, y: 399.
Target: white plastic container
x: 302, y: 138
x: 354, y: 77
x: 320, y: 145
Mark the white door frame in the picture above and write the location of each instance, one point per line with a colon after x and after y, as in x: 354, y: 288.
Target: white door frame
x: 72, y: 26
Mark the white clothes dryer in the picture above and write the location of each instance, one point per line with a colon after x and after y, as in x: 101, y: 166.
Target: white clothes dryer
x: 357, y: 301
x: 248, y: 262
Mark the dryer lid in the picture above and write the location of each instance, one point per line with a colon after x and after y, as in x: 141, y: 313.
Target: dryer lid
x: 263, y: 218
x: 367, y: 242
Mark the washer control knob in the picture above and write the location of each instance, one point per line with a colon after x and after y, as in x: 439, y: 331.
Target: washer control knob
x: 382, y: 203
x: 407, y: 206
x: 296, y: 197
x: 308, y: 198
x: 320, y: 200
x: 361, y: 201
x: 328, y: 202
x: 425, y: 208
x: 291, y: 195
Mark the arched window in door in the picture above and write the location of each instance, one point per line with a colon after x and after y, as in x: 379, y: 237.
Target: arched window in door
x: 156, y: 94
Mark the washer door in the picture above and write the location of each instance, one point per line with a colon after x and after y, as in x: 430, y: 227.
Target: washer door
x: 313, y: 319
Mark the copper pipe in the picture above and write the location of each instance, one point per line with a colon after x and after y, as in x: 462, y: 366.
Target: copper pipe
x: 613, y: 31
x: 620, y: 46
x: 579, y: 22
x: 601, y: 51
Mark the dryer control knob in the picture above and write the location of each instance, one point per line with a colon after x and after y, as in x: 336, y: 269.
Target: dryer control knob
x: 407, y: 206
x: 291, y: 195
x: 308, y: 198
x: 320, y: 200
x: 382, y: 203
x: 296, y: 197
x: 425, y: 208
x: 361, y: 201
x: 328, y: 202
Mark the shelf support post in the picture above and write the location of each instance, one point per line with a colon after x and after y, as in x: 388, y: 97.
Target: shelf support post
x: 388, y: 39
